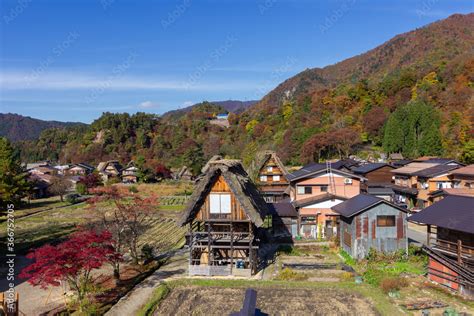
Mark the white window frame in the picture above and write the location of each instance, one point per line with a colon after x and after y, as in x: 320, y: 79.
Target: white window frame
x: 276, y: 178
x: 269, y: 169
x: 220, y: 203
x: 263, y: 178
x: 300, y: 190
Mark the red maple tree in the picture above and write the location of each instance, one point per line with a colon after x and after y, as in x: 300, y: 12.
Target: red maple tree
x: 71, y: 261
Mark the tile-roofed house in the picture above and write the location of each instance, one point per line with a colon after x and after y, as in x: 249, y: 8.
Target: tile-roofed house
x: 271, y: 178
x: 451, y: 255
x: 79, y: 169
x: 369, y: 222
x: 437, y: 195
x: 406, y: 183
x: 463, y: 177
x: 395, y: 156
x: 224, y: 213
x: 430, y: 180
x: 378, y: 176
x: 315, y: 219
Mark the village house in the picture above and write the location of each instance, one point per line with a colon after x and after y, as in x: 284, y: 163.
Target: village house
x: 317, y: 187
x: 284, y: 220
x: 406, y: 183
x: 379, y: 179
x: 61, y: 169
x: 369, y: 222
x: 79, y: 169
x: 183, y: 174
x: 41, y: 170
x: 463, y: 177
x: 40, y: 184
x: 440, y: 194
x: 451, y: 249
x: 109, y: 169
x: 129, y: 173
x: 224, y: 215
x: 271, y: 178
x: 430, y: 180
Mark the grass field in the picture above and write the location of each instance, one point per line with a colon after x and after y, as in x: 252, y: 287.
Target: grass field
x: 52, y: 223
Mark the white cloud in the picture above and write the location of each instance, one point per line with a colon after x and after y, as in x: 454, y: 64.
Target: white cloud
x: 148, y: 105
x: 23, y: 80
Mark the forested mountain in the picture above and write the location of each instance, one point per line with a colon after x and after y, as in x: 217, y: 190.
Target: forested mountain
x: 413, y: 94
x: 17, y: 127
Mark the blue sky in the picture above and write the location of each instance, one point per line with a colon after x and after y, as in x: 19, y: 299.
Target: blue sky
x: 72, y: 60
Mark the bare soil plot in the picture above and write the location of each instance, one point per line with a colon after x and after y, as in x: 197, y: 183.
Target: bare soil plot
x: 194, y: 300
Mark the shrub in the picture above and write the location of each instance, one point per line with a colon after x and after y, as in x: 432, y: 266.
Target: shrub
x: 147, y: 252
x: 72, y: 198
x: 393, y: 284
x: 347, y: 276
x: 133, y: 189
x: 81, y: 188
x: 288, y: 274
x: 347, y: 258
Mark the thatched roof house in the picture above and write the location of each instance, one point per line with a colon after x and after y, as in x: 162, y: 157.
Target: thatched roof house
x: 245, y: 192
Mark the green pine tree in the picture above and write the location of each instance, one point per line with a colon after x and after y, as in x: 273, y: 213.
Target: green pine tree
x: 13, y: 177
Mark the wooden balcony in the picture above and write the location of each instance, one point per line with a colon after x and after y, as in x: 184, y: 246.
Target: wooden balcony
x: 463, y: 254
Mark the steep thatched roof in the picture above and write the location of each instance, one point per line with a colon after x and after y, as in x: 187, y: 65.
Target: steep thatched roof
x: 261, y: 159
x: 239, y: 183
x: 208, y: 164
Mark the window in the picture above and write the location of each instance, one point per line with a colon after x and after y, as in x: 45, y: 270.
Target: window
x: 324, y: 188
x: 263, y: 178
x: 276, y: 178
x: 304, y: 190
x: 269, y: 168
x: 219, y: 203
x: 385, y: 220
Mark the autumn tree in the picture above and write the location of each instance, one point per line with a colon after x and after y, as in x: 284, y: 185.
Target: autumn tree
x: 59, y: 186
x: 71, y: 261
x: 13, y: 177
x: 126, y: 219
x: 91, y: 180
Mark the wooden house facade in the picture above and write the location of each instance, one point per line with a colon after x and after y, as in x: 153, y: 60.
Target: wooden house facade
x: 450, y: 242
x: 272, y: 179
x: 369, y: 222
x: 224, y: 215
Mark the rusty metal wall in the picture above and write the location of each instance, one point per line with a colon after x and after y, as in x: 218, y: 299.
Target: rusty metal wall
x: 366, y: 234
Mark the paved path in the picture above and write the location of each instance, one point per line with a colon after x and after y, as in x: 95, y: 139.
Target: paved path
x: 131, y: 303
x: 416, y: 236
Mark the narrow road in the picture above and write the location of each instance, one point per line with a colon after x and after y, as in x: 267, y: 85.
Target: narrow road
x: 131, y: 303
x: 416, y: 235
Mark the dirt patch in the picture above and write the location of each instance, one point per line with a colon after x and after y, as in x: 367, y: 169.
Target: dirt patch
x: 221, y: 301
